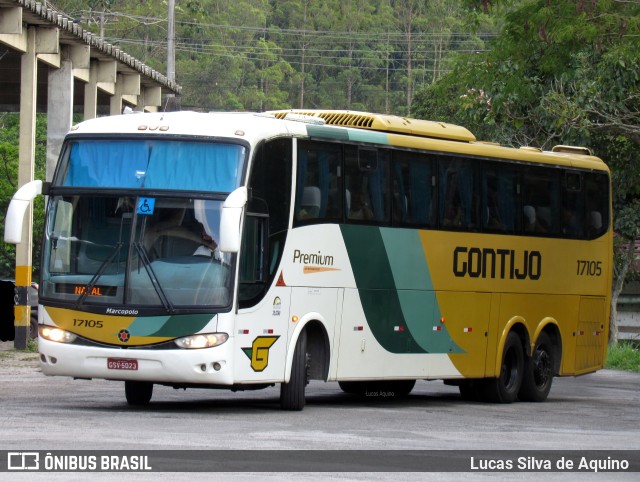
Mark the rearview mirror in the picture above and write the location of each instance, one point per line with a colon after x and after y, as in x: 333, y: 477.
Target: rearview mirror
x: 230, y: 219
x: 15, y: 214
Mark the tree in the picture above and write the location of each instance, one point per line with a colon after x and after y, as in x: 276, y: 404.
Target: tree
x: 559, y: 72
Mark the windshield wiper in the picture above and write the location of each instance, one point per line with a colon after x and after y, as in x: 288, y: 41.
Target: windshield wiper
x: 144, y: 257
x: 89, y: 287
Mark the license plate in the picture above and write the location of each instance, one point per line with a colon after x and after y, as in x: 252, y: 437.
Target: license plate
x: 122, y: 364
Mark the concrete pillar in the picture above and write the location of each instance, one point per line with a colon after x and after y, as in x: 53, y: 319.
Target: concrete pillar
x: 115, y: 101
x: 26, y: 162
x: 59, y: 111
x: 91, y: 93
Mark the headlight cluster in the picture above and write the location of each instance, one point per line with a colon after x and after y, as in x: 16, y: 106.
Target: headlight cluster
x: 56, y: 334
x: 205, y: 340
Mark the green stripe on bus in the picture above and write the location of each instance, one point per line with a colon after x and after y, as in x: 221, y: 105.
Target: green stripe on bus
x: 406, y: 257
x: 395, y: 289
x: 368, y: 136
x: 328, y: 132
x: 341, y: 134
x: 415, y: 290
x: 175, y: 326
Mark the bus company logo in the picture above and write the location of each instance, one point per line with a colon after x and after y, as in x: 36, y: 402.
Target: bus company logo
x: 23, y: 461
x: 258, y: 353
x: 496, y: 263
x: 314, y: 262
x: 124, y: 336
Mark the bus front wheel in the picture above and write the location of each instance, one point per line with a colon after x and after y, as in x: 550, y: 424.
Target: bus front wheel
x: 538, y: 371
x: 505, y: 388
x: 138, y: 393
x: 292, y: 395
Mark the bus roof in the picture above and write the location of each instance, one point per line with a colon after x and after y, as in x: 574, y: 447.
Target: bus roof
x: 416, y: 133
x: 385, y: 123
x: 356, y: 126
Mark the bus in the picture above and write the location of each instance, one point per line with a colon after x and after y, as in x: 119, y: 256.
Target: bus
x: 244, y: 250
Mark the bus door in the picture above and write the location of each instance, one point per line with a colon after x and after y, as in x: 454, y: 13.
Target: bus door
x: 262, y: 321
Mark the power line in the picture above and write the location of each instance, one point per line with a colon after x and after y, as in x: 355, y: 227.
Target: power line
x: 358, y: 63
x: 323, y: 34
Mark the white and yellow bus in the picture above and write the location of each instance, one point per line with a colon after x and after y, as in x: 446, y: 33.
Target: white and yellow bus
x: 239, y: 251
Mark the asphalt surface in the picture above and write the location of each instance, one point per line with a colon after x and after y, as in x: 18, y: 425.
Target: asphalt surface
x: 595, y: 412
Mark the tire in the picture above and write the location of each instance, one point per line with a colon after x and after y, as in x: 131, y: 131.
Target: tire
x: 505, y: 388
x: 469, y: 391
x: 292, y: 394
x: 397, y: 388
x: 538, y: 371
x: 353, y: 388
x: 33, y: 326
x: 382, y: 388
x: 138, y: 393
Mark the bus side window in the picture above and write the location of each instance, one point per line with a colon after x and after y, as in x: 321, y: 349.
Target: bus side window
x: 596, y: 187
x: 459, y: 193
x: 541, y: 189
x: 311, y: 202
x: 499, y: 197
x: 318, y: 183
x: 367, y: 180
x: 413, y: 190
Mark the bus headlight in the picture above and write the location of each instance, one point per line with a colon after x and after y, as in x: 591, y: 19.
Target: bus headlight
x: 203, y: 340
x: 56, y: 334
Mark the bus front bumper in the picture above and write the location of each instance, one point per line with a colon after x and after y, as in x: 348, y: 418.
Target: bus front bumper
x: 207, y: 366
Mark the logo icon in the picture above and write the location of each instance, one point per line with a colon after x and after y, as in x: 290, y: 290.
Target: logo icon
x: 258, y: 353
x: 277, y: 305
x: 23, y: 461
x: 123, y: 336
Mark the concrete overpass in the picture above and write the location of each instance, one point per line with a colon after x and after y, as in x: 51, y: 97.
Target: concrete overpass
x: 48, y: 63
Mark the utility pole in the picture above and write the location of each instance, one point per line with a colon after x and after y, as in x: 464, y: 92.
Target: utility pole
x: 171, y: 52
x: 171, y: 41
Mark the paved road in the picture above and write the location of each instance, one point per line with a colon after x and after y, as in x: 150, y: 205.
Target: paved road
x: 597, y: 411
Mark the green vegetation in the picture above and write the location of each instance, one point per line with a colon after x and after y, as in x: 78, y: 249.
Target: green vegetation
x: 270, y: 54
x: 32, y: 346
x: 559, y: 72
x: 624, y: 355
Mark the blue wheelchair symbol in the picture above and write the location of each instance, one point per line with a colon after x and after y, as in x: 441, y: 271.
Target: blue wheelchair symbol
x: 146, y: 205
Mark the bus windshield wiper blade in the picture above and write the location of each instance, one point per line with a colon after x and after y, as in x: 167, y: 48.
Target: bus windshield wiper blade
x: 89, y: 287
x: 142, y: 253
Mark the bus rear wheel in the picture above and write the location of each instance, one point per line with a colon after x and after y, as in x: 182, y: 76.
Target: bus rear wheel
x: 505, y: 388
x: 538, y: 371
x: 469, y: 391
x: 138, y: 393
x: 292, y: 394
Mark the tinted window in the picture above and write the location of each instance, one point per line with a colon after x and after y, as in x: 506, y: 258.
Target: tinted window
x: 414, y: 192
x: 459, y: 193
x: 318, y: 184
x: 367, y: 185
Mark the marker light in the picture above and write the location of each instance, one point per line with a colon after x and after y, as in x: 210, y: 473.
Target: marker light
x: 57, y: 335
x: 203, y: 340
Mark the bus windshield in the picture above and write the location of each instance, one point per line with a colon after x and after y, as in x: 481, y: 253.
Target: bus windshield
x: 152, y: 164
x: 136, y: 251
x: 131, y: 225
